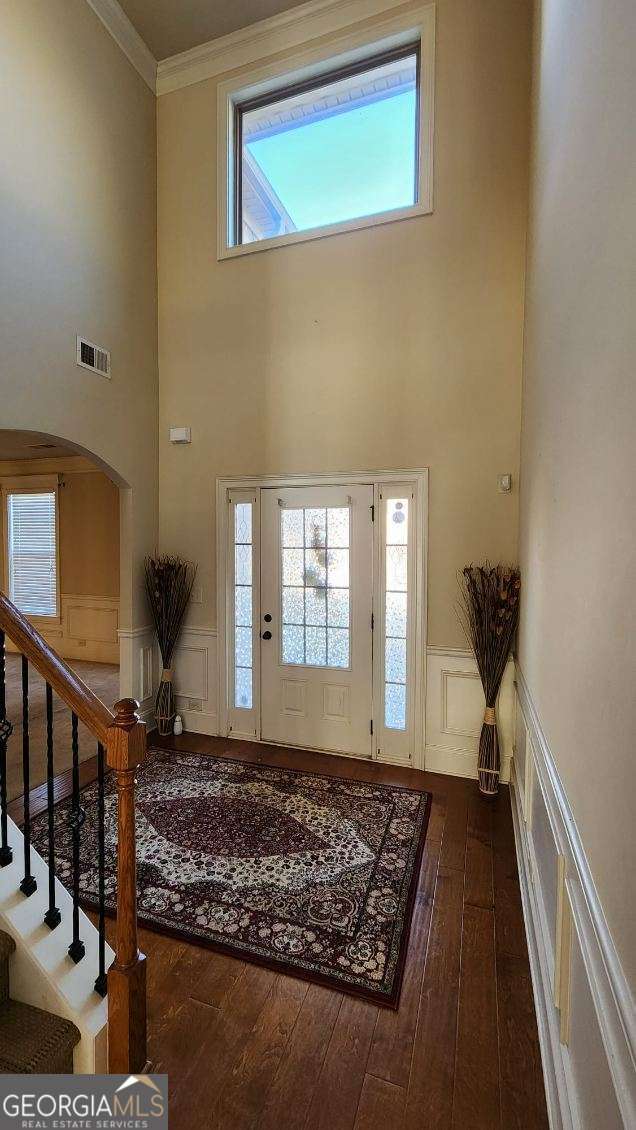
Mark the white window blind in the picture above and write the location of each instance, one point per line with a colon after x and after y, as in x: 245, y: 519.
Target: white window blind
x: 32, y: 552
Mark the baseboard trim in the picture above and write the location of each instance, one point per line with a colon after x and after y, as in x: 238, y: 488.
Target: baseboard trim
x: 608, y: 986
x: 200, y: 722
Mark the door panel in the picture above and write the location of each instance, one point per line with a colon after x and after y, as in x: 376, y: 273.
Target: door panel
x: 317, y: 586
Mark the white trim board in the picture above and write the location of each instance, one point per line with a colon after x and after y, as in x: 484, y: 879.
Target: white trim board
x: 250, y: 44
x: 127, y: 37
x: 293, y: 28
x: 594, y: 1075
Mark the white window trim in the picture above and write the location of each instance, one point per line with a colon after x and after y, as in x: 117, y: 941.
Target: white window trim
x: 340, y: 50
x: 32, y: 484
x: 395, y: 750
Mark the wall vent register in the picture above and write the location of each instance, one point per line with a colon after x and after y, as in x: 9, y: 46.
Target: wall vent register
x: 93, y: 357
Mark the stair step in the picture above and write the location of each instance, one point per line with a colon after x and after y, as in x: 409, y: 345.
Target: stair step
x: 33, y: 1041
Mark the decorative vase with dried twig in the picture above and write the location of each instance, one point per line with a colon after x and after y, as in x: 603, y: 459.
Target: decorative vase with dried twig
x: 169, y: 583
x: 489, y: 612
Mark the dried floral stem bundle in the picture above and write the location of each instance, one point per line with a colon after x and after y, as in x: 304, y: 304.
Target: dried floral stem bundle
x: 489, y: 612
x: 169, y: 582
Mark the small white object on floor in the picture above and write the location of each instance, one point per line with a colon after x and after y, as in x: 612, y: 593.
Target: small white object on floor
x: 178, y: 725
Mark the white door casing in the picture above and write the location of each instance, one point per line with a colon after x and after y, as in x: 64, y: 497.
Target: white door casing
x: 400, y: 502
x: 317, y: 585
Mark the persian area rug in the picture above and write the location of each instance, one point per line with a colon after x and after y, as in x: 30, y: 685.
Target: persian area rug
x: 310, y: 874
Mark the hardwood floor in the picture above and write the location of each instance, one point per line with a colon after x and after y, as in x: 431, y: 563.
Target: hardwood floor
x: 246, y: 1048
x: 249, y: 1049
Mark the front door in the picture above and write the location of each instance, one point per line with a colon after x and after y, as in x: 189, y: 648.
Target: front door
x: 316, y: 617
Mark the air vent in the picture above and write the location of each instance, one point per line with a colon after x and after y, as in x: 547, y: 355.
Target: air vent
x: 91, y: 356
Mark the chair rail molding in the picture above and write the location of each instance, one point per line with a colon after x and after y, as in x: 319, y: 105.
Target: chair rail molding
x: 591, y: 1079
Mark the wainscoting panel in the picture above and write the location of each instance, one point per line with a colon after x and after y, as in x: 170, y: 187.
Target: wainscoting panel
x: 586, y: 1018
x: 138, y: 673
x: 87, y: 629
x: 455, y: 710
x: 196, y: 680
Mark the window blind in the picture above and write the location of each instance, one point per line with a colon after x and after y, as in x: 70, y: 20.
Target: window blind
x: 32, y: 553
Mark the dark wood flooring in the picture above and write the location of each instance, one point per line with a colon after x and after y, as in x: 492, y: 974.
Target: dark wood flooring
x: 249, y: 1049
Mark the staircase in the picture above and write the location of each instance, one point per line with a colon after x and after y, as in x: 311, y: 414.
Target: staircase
x: 31, y: 1039
x: 32, y: 1042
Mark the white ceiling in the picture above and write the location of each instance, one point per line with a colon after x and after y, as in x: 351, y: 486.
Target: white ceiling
x: 170, y: 26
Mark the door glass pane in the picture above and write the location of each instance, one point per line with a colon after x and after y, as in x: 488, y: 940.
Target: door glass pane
x: 293, y: 606
x: 293, y: 644
x: 292, y: 528
x: 243, y: 605
x: 338, y: 641
x: 315, y: 586
x: 395, y: 602
x: 316, y: 647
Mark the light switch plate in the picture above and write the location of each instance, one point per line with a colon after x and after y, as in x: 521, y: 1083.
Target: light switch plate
x: 504, y: 483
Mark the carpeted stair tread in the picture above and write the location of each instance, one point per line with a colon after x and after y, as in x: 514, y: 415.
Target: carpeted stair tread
x: 33, y: 1041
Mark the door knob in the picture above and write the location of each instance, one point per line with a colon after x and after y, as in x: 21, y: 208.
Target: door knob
x: 266, y: 636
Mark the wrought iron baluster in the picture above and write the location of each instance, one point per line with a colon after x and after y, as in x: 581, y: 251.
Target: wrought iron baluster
x: 6, y: 729
x: 52, y: 916
x: 29, y: 883
x: 101, y: 982
x: 77, y: 948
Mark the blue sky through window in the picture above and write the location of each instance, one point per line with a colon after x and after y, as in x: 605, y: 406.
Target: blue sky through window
x: 353, y: 163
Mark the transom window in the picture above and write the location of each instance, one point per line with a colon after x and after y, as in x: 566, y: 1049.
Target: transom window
x: 328, y: 150
x: 315, y: 586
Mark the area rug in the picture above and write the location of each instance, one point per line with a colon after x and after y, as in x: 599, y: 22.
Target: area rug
x: 310, y: 874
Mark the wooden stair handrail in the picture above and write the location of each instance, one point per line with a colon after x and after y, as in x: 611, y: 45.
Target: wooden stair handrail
x: 81, y: 699
x: 124, y: 738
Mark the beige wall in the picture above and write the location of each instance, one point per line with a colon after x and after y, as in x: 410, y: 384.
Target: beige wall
x: 89, y: 554
x: 78, y: 251
x: 393, y: 347
x: 578, y: 498
x: 88, y: 525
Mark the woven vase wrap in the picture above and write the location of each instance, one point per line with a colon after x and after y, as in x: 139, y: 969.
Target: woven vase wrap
x: 488, y: 764
x: 164, y: 706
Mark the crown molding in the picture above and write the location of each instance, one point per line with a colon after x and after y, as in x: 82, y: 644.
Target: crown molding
x: 125, y: 35
x: 288, y: 29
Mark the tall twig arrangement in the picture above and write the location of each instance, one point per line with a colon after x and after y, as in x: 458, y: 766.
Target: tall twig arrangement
x: 489, y: 612
x: 169, y: 583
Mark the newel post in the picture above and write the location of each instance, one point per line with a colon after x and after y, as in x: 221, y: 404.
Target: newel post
x: 125, y: 749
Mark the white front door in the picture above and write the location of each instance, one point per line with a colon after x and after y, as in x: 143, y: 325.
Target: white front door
x: 316, y: 641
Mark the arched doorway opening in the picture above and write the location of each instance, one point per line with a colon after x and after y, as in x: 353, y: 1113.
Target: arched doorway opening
x: 64, y: 560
